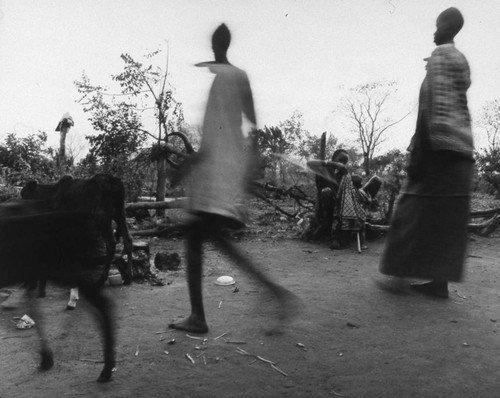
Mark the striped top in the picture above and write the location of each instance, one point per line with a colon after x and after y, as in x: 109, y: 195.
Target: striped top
x: 445, y: 99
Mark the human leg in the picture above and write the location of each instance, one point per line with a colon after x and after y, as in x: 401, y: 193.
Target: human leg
x: 196, y: 322
x: 286, y: 299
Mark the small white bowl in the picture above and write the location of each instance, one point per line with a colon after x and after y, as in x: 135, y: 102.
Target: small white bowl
x: 225, y: 280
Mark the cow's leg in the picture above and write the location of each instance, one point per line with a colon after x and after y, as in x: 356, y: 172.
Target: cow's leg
x: 110, y: 243
x: 42, y: 285
x: 104, y: 306
x: 47, y: 358
x: 73, y: 298
x: 128, y: 247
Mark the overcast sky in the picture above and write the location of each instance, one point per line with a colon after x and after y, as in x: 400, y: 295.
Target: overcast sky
x: 299, y: 55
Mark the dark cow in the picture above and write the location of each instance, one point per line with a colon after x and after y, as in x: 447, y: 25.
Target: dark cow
x: 103, y: 196
x: 38, y: 243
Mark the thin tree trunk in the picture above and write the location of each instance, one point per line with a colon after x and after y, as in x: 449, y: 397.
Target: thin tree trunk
x: 366, y: 164
x: 161, y: 168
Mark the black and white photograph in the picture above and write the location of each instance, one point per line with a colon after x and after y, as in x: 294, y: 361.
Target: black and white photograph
x: 249, y: 198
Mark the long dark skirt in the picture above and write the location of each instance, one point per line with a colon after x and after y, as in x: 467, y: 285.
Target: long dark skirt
x: 428, y: 234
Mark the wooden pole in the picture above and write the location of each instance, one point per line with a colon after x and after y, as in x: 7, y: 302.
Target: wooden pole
x: 322, y: 155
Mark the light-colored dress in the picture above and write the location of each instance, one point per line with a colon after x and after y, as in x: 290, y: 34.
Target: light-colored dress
x: 218, y: 178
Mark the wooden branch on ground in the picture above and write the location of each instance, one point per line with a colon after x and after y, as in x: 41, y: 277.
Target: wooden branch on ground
x: 487, y: 227
x: 276, y: 207
x: 284, y: 192
x: 485, y: 213
x: 160, y: 230
x: 169, y: 203
x: 484, y: 228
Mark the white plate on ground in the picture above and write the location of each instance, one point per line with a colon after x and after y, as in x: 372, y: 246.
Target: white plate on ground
x: 225, y: 280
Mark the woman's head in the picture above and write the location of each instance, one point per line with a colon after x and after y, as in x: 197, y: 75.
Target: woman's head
x: 341, y: 156
x: 448, y: 24
x: 221, y: 39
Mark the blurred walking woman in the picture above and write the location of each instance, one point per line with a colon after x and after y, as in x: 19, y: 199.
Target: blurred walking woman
x: 428, y: 234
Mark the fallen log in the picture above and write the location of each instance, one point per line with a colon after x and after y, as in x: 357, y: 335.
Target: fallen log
x: 299, y: 196
x: 485, y: 213
x: 178, y: 228
x: 484, y: 228
x: 169, y: 203
x: 487, y: 227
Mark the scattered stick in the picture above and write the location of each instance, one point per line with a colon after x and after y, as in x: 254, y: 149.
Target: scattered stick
x: 278, y: 370
x: 235, y: 342
x: 220, y: 304
x: 163, y: 331
x: 265, y: 360
x: 336, y: 393
x: 222, y: 335
x: 137, y: 351
x: 302, y: 346
x: 195, y: 337
x: 190, y: 358
x: 16, y: 336
x: 271, y: 363
x: 241, y: 351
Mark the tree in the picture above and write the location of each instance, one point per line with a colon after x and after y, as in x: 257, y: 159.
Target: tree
x: 27, y: 158
x: 289, y: 143
x: 391, y: 168
x: 294, y: 134
x: 488, y: 159
x: 277, y: 145
x: 119, y: 118
x: 489, y: 119
x: 367, y: 106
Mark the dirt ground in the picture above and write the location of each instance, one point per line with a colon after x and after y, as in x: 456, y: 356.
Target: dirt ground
x: 349, y: 338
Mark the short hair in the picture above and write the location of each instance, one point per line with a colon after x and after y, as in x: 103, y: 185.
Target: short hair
x: 221, y: 37
x: 452, y: 20
x: 338, y: 152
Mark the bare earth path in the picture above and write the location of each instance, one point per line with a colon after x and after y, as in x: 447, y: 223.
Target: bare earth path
x: 355, y: 340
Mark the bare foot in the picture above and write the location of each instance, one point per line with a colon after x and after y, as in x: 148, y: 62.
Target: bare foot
x: 191, y: 324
